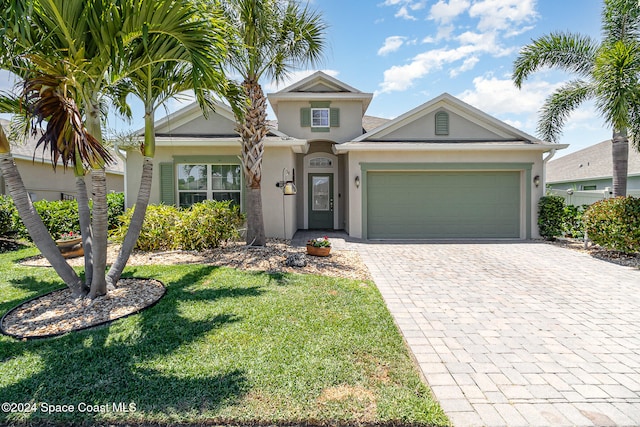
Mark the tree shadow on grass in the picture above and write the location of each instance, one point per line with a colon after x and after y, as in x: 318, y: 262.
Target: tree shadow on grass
x: 133, y: 361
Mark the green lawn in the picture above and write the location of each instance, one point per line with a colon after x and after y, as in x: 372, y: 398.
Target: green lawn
x: 222, y: 346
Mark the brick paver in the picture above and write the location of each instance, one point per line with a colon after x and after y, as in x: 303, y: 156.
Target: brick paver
x: 516, y: 334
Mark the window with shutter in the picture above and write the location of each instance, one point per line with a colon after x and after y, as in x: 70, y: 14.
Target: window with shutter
x: 442, y: 123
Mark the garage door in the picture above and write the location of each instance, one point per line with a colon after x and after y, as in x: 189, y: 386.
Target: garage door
x: 434, y: 205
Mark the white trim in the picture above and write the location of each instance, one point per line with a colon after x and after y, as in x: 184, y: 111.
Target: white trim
x: 454, y: 146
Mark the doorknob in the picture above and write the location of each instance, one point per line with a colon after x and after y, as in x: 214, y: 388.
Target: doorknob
x: 331, y: 204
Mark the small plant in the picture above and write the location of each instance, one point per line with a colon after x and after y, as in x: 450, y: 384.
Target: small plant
x: 69, y: 236
x: 320, y: 242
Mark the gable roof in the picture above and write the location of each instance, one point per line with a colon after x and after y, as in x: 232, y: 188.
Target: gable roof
x: 593, y: 162
x: 319, y: 86
x: 447, y: 102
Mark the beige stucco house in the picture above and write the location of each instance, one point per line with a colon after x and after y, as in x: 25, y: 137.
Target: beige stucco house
x: 43, y: 183
x: 442, y: 170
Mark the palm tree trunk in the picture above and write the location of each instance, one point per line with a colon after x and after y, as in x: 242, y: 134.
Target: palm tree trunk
x: 620, y: 158
x: 99, y: 231
x: 85, y: 227
x: 135, y: 225
x: 36, y: 228
x: 253, y: 129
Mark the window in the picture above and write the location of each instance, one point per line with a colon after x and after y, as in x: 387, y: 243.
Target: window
x: 589, y: 187
x: 319, y: 117
x: 198, y: 182
x: 320, y: 162
x: 442, y: 123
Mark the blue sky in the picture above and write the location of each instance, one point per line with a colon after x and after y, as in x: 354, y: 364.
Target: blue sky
x: 409, y: 51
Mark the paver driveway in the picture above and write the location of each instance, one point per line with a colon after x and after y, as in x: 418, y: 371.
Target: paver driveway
x: 517, y: 334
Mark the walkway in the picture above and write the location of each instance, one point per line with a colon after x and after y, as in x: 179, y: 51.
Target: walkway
x: 520, y: 334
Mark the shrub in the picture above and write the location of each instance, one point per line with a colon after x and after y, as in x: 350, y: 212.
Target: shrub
x: 204, y: 225
x: 208, y: 224
x: 115, y: 209
x: 158, y: 232
x: 572, y: 225
x: 615, y: 224
x: 60, y: 216
x: 7, y: 209
x: 550, y: 216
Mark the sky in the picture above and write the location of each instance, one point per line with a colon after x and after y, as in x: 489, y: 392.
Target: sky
x: 407, y: 52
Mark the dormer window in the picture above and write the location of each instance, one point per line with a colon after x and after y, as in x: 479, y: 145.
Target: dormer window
x: 319, y: 117
x: 442, y: 123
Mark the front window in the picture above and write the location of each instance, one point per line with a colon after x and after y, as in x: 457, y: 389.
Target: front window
x: 198, y: 182
x: 320, y: 117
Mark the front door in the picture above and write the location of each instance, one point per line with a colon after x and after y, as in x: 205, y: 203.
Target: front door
x: 321, y: 201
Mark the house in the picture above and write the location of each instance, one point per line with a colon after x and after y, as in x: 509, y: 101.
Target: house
x: 42, y: 182
x: 442, y: 170
x: 591, y: 169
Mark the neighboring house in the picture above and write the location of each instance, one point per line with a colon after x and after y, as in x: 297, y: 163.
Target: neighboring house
x: 43, y: 183
x: 591, y: 169
x: 443, y: 170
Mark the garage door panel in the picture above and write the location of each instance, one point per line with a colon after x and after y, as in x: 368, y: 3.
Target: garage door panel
x: 443, y: 204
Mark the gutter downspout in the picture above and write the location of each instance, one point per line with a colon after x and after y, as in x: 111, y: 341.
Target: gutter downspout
x: 544, y: 168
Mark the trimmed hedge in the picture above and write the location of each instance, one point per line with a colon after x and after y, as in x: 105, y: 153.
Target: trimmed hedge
x: 615, y: 224
x: 59, y: 216
x: 202, y: 226
x: 551, y: 216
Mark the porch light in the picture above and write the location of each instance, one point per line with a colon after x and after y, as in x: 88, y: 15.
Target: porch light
x: 357, y: 181
x: 536, y: 180
x: 288, y: 186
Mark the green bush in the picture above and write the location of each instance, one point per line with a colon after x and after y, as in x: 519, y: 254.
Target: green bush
x: 204, y: 225
x: 551, y: 216
x: 572, y: 224
x: 158, y: 232
x: 7, y: 209
x: 115, y: 209
x: 615, y: 224
x: 208, y: 224
x: 60, y: 216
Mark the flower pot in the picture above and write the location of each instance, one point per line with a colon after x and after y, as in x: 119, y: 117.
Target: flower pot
x: 318, y: 251
x: 71, y: 248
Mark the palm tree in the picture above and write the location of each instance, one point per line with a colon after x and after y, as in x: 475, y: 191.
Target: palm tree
x: 79, y: 50
x: 608, y: 72
x: 274, y: 36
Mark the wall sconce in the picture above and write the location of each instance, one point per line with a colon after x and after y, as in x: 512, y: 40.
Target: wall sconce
x: 288, y: 186
x: 536, y: 180
x: 357, y: 182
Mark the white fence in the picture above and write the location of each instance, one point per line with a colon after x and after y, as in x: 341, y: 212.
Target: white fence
x: 587, y: 197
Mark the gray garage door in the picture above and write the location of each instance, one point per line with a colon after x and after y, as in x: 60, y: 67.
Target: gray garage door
x: 434, y: 205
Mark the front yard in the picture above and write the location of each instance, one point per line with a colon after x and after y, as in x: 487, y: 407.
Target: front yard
x: 223, y: 346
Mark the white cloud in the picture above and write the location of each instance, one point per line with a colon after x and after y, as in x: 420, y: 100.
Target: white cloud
x: 391, y: 44
x: 467, y: 65
x: 503, y: 14
x: 444, y: 12
x: 403, y: 13
x: 405, y: 6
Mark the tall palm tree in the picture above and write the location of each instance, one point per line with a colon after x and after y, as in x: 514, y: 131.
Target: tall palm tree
x: 274, y: 37
x: 608, y: 72
x: 82, y: 49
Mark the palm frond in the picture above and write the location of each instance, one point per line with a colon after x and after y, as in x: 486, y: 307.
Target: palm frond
x: 65, y: 134
x: 574, y: 53
x: 558, y: 107
x: 620, y: 20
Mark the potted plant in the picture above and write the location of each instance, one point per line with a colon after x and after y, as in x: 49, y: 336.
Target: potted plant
x: 319, y: 247
x: 70, y: 244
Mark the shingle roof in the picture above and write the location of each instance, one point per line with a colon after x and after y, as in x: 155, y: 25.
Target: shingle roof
x: 26, y: 151
x: 369, y: 123
x: 589, y: 163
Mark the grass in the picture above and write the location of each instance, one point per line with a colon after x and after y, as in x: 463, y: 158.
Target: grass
x: 222, y: 346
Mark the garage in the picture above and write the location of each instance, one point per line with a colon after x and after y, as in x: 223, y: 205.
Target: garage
x: 443, y: 204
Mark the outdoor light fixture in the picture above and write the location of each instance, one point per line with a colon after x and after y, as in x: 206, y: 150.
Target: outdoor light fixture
x: 357, y: 182
x: 288, y: 187
x: 536, y: 180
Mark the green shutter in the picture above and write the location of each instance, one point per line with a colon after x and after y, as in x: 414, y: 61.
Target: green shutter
x: 442, y: 123
x: 334, y: 117
x: 305, y: 117
x: 167, y: 184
